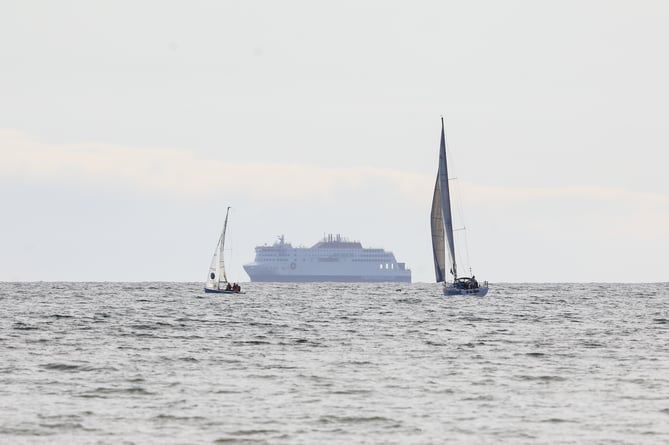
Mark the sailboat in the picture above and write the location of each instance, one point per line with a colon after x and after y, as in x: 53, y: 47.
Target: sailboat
x: 217, y: 281
x: 442, y: 234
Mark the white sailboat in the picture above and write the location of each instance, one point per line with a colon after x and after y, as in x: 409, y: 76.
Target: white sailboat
x: 217, y: 281
x: 442, y: 234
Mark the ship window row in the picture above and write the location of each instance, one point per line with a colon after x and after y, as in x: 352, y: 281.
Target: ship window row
x: 285, y: 251
x: 368, y: 260
x: 357, y: 253
x: 356, y: 258
x: 359, y: 260
x: 283, y: 258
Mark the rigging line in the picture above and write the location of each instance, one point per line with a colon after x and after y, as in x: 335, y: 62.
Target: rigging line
x: 467, y: 250
x: 463, y: 253
x: 229, y: 245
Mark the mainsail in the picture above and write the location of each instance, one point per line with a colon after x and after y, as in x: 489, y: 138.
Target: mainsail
x: 441, y: 219
x: 216, y: 274
x: 437, y: 224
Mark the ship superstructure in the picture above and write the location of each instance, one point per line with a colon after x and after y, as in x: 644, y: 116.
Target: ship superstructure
x: 334, y: 258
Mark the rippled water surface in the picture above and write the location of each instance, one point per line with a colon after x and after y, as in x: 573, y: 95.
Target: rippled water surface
x: 314, y: 364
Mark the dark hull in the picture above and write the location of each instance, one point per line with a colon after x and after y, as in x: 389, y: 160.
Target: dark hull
x: 220, y: 291
x: 479, y: 292
x: 267, y: 278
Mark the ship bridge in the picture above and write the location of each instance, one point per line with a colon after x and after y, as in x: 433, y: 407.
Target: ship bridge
x: 336, y: 241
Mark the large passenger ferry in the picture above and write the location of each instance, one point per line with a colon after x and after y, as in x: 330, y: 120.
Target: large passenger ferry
x: 334, y: 258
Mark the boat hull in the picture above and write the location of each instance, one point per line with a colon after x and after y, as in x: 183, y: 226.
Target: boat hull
x: 219, y: 291
x: 451, y: 291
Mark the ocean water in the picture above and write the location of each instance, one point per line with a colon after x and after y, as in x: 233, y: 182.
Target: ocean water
x: 163, y: 363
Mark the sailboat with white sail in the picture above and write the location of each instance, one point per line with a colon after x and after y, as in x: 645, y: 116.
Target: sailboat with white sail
x: 442, y: 234
x: 217, y: 281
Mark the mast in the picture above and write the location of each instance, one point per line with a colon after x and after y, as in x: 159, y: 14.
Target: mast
x: 221, y: 263
x: 446, y: 200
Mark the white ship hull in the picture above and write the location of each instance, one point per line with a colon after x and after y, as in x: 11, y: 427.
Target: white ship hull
x: 260, y: 274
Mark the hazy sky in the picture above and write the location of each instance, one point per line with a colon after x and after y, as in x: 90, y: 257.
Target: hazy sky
x: 127, y: 127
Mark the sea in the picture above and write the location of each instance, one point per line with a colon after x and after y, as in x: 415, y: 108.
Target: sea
x: 165, y: 363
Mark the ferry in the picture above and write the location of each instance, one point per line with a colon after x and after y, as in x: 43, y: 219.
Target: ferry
x: 332, y: 259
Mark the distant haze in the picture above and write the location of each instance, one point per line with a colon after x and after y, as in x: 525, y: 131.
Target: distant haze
x: 127, y: 128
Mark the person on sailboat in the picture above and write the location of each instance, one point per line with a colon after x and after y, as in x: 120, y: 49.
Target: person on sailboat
x: 475, y: 284
x: 228, y: 287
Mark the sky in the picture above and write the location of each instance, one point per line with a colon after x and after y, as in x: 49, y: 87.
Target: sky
x: 127, y: 128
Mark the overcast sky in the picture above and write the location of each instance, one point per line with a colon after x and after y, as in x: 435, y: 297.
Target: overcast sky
x: 127, y: 127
